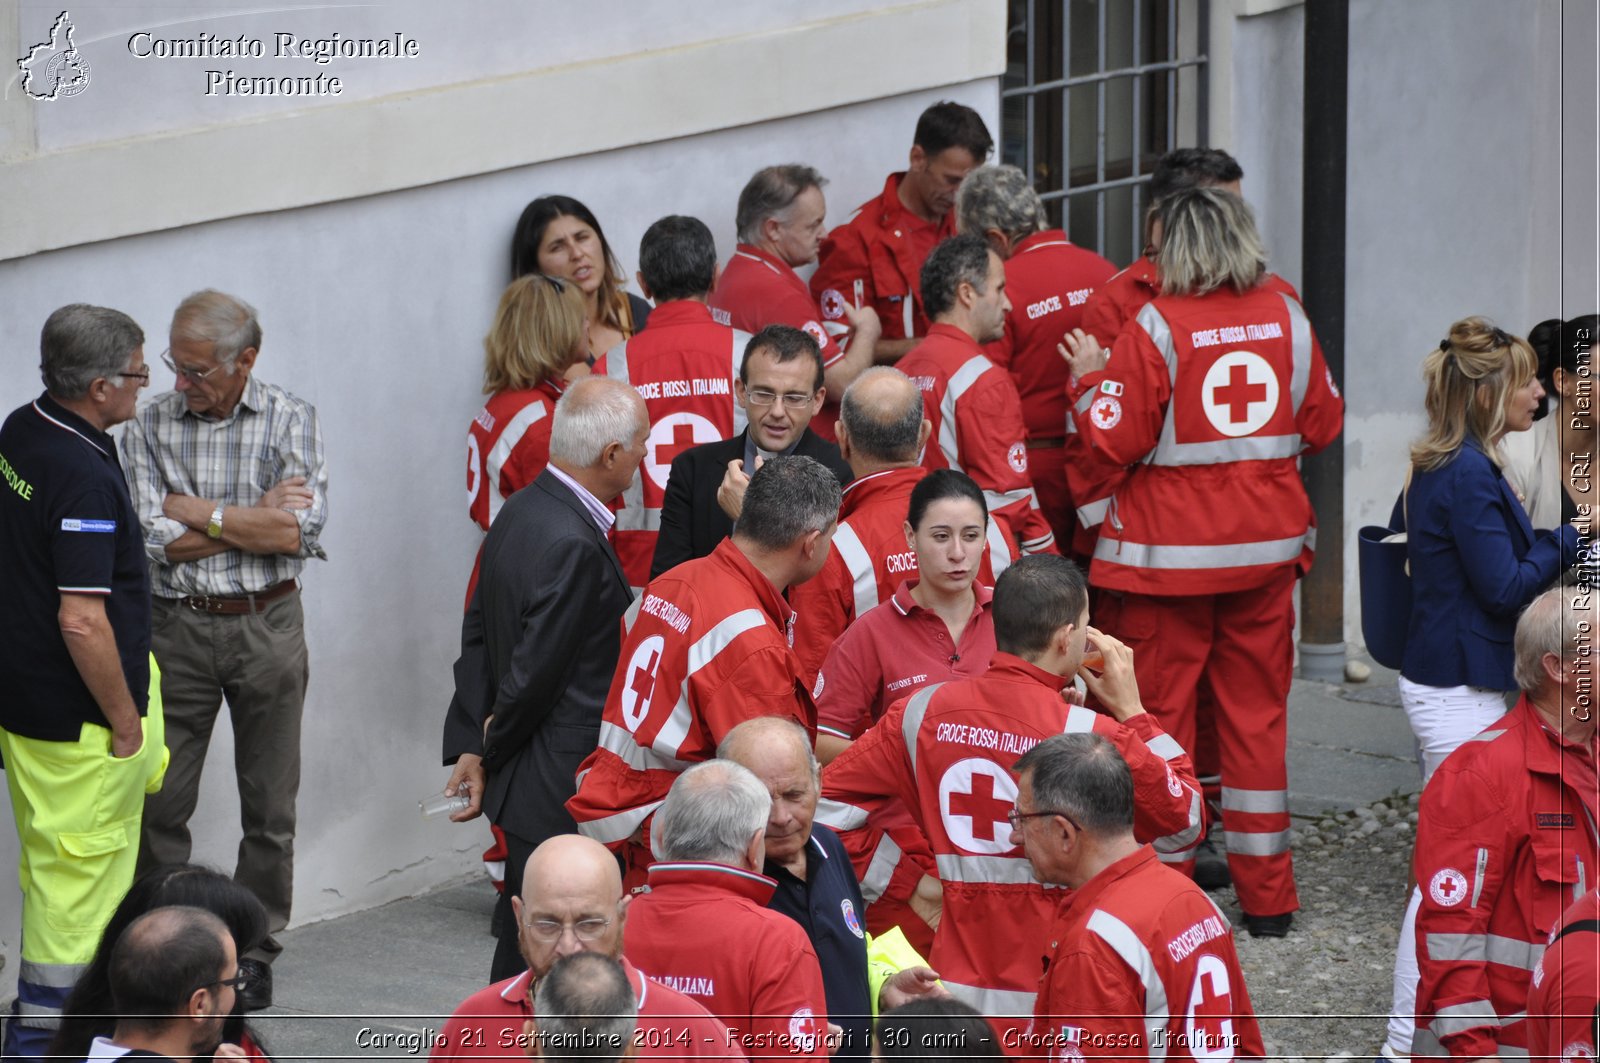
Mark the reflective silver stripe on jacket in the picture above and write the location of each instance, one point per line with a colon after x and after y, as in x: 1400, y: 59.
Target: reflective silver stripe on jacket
x: 840, y: 815
x: 704, y: 650
x: 1090, y: 514
x: 1459, y: 1018
x: 621, y: 742
x: 1126, y: 943
x: 916, y: 709
x: 960, y: 381
x: 885, y: 858
x: 1185, y: 840
x: 1484, y: 948
x: 1231, y: 555
x: 993, y: 1002
x: 864, y: 582
x: 618, y: 826
x: 1004, y: 870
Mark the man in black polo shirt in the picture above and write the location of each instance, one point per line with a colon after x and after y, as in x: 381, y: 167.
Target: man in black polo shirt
x: 80, y: 751
x: 817, y: 887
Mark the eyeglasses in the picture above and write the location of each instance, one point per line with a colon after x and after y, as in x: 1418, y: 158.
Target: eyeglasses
x: 236, y: 983
x: 142, y: 376
x: 795, y: 400
x: 1016, y: 818
x: 193, y: 376
x: 583, y: 929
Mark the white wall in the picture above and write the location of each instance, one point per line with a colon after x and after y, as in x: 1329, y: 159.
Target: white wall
x: 374, y: 308
x: 1471, y: 190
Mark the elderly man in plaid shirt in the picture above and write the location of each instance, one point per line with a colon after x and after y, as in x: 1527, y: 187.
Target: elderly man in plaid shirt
x: 228, y: 479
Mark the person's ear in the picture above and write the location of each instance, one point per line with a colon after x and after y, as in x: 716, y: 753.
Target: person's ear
x: 1061, y: 640
x: 755, y: 853
x: 842, y: 439
x: 197, y: 1003
x: 1555, y: 669
x: 716, y: 275
x: 517, y: 909
x: 808, y: 545
x: 530, y: 1039
x: 643, y: 287
x: 923, y: 433
x: 911, y: 543
x: 999, y: 241
x: 918, y: 158
x: 246, y: 360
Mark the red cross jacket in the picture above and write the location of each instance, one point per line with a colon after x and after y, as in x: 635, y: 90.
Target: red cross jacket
x: 756, y: 290
x: 977, y: 429
x: 1566, y: 987
x: 706, y: 647
x: 1211, y: 400
x: 1048, y: 280
x: 508, y: 446
x: 1506, y: 841
x: 1142, y: 967
x: 683, y: 364
x: 704, y: 930
x: 875, y: 259
x: 946, y: 753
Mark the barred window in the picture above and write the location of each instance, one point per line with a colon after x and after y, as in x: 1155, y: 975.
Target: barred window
x: 1095, y: 91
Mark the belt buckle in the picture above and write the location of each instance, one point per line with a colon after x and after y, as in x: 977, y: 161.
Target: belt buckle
x: 201, y: 603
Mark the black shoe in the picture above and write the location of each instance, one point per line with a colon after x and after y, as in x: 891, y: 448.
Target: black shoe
x: 257, y: 992
x: 1211, y: 867
x: 1268, y: 926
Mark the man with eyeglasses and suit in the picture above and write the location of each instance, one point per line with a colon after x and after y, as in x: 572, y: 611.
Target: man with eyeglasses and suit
x: 780, y: 388
x: 572, y: 902
x: 229, y: 484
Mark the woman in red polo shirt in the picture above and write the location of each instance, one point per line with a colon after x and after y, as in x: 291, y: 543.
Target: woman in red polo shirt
x: 935, y: 629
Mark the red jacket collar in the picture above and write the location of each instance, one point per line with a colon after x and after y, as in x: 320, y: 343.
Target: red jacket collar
x: 1014, y: 669
x: 1041, y: 239
x: 516, y: 990
x: 878, y: 487
x: 732, y: 558
x: 772, y: 262
x: 1545, y: 748
x: 889, y: 208
x: 736, y: 880
x: 949, y: 332
x: 1143, y: 271
x: 1090, y: 892
x: 680, y: 312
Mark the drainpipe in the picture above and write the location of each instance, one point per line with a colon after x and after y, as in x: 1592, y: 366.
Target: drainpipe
x: 1326, y: 68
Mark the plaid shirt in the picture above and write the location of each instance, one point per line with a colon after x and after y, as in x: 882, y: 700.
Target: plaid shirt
x: 269, y: 436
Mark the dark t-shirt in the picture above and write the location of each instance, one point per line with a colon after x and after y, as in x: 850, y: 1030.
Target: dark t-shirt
x: 67, y: 526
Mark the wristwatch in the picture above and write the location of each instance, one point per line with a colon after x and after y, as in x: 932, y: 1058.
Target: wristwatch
x: 214, y: 525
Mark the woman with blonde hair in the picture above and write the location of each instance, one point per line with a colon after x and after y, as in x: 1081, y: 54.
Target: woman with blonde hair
x: 1475, y: 563
x: 537, y: 335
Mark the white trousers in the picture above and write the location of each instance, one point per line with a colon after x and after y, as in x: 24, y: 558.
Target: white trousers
x: 1442, y: 718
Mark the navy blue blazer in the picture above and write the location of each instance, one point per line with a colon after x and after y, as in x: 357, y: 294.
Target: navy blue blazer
x: 1476, y: 563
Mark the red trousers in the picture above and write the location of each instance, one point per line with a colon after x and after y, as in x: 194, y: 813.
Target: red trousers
x: 1240, y: 646
x: 1047, y: 467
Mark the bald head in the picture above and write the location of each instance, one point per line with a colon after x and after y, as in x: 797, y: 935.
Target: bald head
x: 769, y: 740
x: 882, y: 416
x: 572, y: 864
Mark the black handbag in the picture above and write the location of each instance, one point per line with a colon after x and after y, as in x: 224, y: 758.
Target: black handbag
x: 1385, y: 591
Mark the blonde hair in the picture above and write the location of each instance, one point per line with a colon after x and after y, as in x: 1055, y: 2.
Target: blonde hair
x: 538, y: 332
x: 1470, y: 376
x: 1208, y: 240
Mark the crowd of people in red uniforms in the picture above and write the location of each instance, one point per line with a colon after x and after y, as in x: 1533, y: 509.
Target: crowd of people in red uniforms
x: 990, y: 397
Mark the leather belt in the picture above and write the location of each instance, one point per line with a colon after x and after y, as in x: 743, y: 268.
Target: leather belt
x: 237, y: 604
x: 1050, y: 443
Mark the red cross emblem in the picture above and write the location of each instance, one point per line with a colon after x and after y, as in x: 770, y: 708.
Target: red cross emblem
x: 1448, y: 887
x: 832, y: 304
x: 682, y: 440
x: 671, y: 435
x: 1210, y: 1020
x: 1239, y: 394
x: 1105, y: 413
x: 641, y: 680
x: 974, y: 797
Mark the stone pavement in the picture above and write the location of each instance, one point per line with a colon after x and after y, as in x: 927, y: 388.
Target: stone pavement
x: 375, y: 984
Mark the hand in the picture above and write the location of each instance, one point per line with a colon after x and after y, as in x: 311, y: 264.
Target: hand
x: 1082, y: 352
x: 730, y: 495
x: 913, y: 983
x: 127, y: 742
x: 228, y: 1051
x: 1074, y: 696
x: 468, y: 779
x: 928, y: 901
x: 1115, y: 687
x: 290, y: 493
x: 864, y: 322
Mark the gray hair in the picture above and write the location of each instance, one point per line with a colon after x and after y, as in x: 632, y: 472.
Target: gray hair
x: 1083, y: 777
x: 766, y: 729
x: 1559, y: 621
x: 218, y: 318
x: 1208, y: 240
x: 584, y: 1008
x: 711, y: 813
x: 878, y: 427
x: 771, y: 192
x: 80, y: 344
x: 999, y: 197
x: 788, y: 498
x: 593, y: 414
x: 963, y: 258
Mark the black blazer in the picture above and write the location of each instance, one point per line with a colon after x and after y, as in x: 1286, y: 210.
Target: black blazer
x: 692, y: 524
x: 538, y: 647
